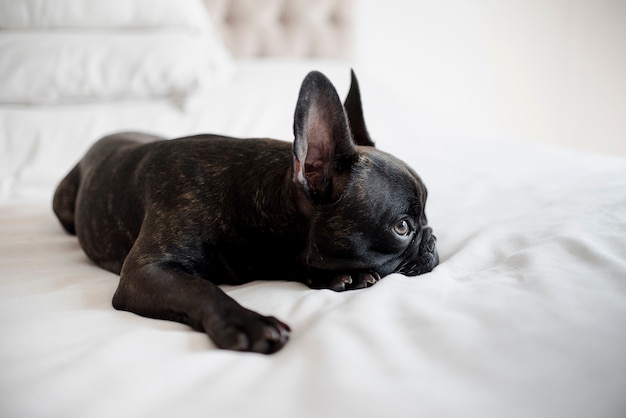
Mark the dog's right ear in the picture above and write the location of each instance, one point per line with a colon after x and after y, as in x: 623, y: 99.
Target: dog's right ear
x: 354, y: 110
x: 323, y: 148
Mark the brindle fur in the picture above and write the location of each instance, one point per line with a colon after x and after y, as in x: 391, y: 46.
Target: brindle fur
x: 176, y: 218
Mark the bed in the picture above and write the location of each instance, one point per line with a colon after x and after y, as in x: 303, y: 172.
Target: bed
x: 524, y: 317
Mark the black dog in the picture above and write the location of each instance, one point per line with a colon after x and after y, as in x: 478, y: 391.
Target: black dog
x: 177, y: 218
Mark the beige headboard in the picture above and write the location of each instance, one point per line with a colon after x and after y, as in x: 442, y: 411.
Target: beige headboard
x: 287, y: 28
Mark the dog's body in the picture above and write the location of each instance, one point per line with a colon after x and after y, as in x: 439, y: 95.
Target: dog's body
x: 176, y: 218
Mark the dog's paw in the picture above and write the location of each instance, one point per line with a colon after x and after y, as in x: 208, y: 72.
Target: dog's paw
x: 346, y: 281
x: 249, y: 331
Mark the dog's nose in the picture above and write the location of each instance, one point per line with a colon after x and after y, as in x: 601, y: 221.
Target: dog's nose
x: 429, y: 241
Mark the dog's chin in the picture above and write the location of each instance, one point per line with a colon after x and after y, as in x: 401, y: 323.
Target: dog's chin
x: 427, y: 262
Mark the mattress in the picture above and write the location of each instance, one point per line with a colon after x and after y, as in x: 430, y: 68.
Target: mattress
x: 524, y: 316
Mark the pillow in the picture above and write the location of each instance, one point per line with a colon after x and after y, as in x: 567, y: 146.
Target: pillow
x: 98, y: 14
x: 93, y: 50
x: 70, y: 67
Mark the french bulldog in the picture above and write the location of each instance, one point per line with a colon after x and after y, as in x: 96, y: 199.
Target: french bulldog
x: 177, y: 218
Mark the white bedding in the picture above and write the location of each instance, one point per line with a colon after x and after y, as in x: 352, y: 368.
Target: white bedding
x: 524, y: 317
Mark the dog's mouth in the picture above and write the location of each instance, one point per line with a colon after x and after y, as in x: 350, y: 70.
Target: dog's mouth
x: 427, y: 258
x: 427, y: 263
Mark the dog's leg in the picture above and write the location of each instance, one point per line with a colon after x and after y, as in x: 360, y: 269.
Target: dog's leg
x: 166, y: 291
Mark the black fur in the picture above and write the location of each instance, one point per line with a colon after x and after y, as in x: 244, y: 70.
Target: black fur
x: 177, y: 218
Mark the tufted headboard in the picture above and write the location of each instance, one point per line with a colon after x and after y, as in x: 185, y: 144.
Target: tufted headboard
x: 287, y: 28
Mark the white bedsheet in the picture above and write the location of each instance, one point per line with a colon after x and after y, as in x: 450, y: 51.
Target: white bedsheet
x: 524, y: 317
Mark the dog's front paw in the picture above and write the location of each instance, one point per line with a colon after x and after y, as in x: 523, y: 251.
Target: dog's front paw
x: 345, y: 281
x: 248, y: 331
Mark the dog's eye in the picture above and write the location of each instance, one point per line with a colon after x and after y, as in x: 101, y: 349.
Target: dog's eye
x: 402, y: 228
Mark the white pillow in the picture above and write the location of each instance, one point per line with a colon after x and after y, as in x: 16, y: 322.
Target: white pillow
x: 107, y: 49
x: 70, y: 67
x: 64, y: 14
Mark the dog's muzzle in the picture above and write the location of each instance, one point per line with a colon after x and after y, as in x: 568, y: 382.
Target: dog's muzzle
x: 426, y: 258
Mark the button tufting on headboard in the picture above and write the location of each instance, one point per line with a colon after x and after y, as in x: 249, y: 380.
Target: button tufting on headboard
x: 287, y: 28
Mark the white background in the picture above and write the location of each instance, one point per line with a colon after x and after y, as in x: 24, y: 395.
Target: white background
x: 547, y: 70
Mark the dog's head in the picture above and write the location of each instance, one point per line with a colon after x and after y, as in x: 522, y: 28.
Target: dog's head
x: 365, y: 207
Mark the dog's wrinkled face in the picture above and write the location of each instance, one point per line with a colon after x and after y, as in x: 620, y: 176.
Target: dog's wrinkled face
x: 378, y: 224
x: 365, y: 207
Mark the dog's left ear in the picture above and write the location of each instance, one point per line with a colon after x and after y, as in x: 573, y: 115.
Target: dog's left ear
x: 323, y: 148
x: 354, y: 110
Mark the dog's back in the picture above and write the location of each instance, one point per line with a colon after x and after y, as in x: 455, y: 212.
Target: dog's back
x: 64, y: 201
x: 128, y: 178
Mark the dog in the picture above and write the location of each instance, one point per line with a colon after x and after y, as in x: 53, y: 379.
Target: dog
x: 177, y: 218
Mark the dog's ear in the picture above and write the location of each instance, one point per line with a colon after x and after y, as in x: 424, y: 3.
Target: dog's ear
x: 323, y: 148
x: 354, y: 110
